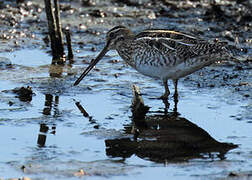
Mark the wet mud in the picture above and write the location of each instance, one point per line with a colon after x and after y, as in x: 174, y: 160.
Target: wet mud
x: 50, y: 129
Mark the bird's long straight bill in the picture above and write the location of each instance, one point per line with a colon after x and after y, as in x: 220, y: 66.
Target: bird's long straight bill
x: 91, y: 65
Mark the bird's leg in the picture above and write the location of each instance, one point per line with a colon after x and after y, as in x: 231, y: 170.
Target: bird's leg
x: 167, y: 105
x: 175, y: 95
x: 167, y: 92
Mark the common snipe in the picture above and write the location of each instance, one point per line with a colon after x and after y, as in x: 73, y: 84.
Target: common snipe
x: 161, y: 53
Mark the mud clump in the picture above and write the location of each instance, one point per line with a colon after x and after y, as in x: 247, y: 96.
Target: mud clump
x: 24, y: 93
x: 98, y: 13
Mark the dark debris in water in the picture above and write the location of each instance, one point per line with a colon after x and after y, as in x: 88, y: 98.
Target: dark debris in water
x: 238, y: 175
x: 98, y: 13
x: 23, y: 93
x: 87, y: 3
x: 129, y: 2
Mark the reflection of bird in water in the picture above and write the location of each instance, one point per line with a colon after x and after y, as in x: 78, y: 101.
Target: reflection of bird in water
x: 161, y: 53
x: 166, y: 139
x: 162, y: 138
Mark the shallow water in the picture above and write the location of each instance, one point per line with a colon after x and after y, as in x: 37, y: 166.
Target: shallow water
x: 52, y: 138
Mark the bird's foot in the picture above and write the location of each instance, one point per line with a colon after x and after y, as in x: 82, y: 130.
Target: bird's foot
x: 175, y: 96
x: 164, y: 97
x: 167, y: 106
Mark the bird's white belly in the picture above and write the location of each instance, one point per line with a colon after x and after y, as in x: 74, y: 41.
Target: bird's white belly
x: 168, y: 72
x: 155, y: 71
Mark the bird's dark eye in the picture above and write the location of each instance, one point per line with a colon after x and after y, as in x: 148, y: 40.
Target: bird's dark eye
x: 112, y: 35
x: 121, y: 39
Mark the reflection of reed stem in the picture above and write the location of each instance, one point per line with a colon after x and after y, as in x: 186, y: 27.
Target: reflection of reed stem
x: 82, y: 110
x: 42, y: 135
x: 48, y: 104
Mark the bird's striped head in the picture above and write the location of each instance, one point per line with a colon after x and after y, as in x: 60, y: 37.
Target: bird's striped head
x: 117, y: 35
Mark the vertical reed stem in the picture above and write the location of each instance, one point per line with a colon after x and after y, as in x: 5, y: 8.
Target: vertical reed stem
x: 55, y: 32
x: 69, y: 45
x: 51, y: 27
x: 59, y: 42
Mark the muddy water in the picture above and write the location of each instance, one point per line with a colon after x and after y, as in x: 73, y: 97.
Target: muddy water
x: 87, y: 131
x: 50, y: 138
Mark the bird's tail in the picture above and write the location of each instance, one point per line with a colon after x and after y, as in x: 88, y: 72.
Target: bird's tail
x: 239, y: 53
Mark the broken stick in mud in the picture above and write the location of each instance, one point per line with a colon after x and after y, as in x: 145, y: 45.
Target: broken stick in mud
x: 138, y: 108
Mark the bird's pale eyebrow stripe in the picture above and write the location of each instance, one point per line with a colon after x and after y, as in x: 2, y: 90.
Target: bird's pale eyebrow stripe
x: 116, y: 29
x: 167, y: 31
x: 165, y: 39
